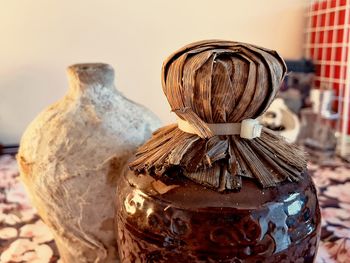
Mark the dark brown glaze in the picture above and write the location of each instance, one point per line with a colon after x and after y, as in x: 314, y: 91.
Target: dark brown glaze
x: 192, y: 223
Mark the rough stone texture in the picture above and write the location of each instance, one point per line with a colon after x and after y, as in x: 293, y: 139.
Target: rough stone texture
x: 71, y: 155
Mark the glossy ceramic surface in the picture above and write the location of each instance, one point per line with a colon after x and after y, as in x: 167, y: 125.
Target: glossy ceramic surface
x: 192, y: 223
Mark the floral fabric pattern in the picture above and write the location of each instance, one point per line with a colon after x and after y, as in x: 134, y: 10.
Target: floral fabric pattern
x: 25, y: 238
x: 333, y: 184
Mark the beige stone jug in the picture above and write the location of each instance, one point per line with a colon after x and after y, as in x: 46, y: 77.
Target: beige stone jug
x: 70, y: 157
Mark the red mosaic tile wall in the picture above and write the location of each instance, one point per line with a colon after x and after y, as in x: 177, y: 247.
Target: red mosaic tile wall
x: 327, y: 44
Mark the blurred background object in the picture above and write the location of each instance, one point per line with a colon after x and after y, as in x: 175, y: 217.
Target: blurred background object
x: 317, y: 87
x: 279, y: 117
x: 327, y: 44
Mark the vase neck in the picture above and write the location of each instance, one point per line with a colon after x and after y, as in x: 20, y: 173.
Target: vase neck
x: 83, y: 77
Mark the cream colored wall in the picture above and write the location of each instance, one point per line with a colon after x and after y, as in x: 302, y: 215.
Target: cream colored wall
x: 39, y: 38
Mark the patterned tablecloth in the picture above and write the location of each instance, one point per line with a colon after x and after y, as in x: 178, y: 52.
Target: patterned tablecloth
x: 24, y: 237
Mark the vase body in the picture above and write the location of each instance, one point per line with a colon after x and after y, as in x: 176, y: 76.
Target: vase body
x: 71, y: 156
x: 191, y: 223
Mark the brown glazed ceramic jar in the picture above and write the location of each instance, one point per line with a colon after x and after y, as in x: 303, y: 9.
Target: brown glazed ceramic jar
x: 191, y: 223
x: 218, y: 187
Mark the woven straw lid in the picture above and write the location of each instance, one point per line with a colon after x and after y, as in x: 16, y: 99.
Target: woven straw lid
x: 217, y: 82
x: 221, y: 81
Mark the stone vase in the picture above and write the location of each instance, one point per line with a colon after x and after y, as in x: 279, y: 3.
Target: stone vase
x: 71, y: 155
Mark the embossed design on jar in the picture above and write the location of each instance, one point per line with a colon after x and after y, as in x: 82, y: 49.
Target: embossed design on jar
x: 179, y: 224
x: 174, y: 234
x: 134, y: 201
x: 222, y: 237
x: 154, y: 221
x: 249, y: 231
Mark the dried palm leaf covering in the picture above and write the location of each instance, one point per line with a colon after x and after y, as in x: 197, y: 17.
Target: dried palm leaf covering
x: 210, y: 83
x: 71, y: 156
